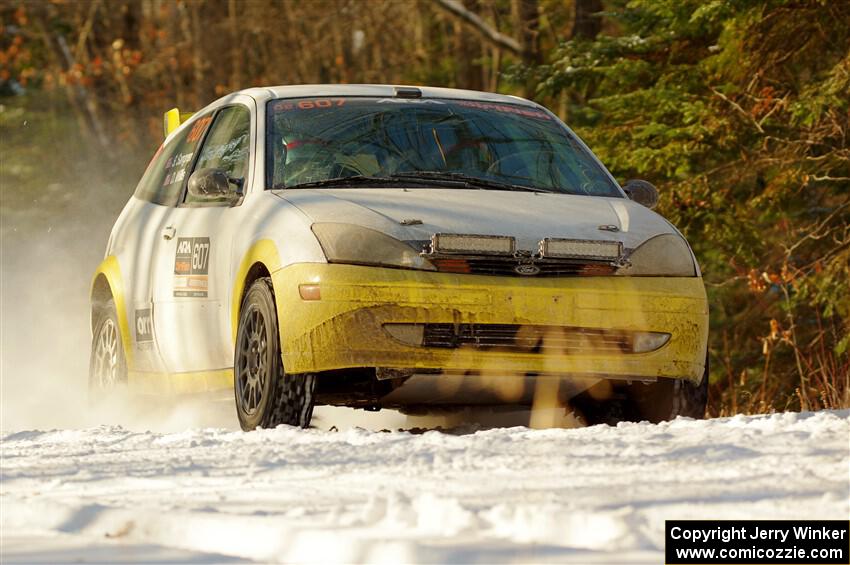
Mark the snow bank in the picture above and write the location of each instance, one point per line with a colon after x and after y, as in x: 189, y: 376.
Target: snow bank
x: 596, y: 494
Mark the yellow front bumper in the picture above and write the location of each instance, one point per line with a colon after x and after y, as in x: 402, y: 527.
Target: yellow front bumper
x: 344, y: 328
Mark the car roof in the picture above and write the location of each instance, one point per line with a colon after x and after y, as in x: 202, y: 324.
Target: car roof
x: 378, y: 90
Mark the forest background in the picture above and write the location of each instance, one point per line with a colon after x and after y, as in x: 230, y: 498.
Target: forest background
x: 737, y: 110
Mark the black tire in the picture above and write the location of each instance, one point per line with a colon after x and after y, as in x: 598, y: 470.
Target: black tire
x: 670, y: 398
x: 657, y: 402
x: 107, y: 362
x: 690, y: 400
x: 265, y: 395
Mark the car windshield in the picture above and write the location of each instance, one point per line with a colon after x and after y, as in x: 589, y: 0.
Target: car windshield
x: 347, y: 141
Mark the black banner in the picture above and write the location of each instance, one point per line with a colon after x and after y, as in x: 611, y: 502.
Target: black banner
x: 758, y: 542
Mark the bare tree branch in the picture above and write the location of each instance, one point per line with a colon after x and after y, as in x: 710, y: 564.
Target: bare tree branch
x: 486, y: 31
x: 740, y: 110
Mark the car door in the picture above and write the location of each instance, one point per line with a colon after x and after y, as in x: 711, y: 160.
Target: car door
x: 135, y: 239
x: 192, y: 272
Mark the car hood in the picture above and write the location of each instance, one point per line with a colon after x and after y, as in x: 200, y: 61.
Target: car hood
x: 527, y: 216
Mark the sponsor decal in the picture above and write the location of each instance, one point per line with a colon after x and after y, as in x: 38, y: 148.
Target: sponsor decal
x: 410, y: 101
x: 504, y: 108
x: 191, y: 267
x: 144, y: 326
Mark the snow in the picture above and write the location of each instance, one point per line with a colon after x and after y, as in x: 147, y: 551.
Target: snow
x: 588, y: 495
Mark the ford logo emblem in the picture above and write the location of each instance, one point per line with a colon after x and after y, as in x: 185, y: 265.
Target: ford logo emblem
x: 527, y: 269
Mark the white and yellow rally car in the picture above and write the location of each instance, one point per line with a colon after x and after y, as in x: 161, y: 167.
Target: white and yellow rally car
x: 412, y: 248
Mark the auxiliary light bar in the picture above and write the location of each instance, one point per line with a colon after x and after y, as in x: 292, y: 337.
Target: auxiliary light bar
x: 473, y: 244
x: 581, y: 249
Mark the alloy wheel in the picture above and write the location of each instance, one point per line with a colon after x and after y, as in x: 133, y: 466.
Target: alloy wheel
x: 252, y: 370
x: 106, y: 356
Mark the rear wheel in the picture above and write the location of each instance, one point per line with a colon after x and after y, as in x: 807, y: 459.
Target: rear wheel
x: 107, y: 363
x: 265, y: 395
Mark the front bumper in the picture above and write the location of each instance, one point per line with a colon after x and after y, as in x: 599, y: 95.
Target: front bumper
x: 344, y: 328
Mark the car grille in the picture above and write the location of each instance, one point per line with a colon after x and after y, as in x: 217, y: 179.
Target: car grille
x: 528, y: 338
x: 507, y: 266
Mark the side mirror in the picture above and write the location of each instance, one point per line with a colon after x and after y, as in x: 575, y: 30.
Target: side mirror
x: 212, y: 185
x: 640, y: 191
x: 206, y: 183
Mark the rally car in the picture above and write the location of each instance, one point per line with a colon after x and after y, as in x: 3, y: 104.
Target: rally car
x: 396, y: 247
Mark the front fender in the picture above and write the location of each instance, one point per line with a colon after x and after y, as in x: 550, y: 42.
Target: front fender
x: 262, y: 251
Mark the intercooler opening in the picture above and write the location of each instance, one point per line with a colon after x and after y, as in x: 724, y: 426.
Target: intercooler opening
x: 524, y: 338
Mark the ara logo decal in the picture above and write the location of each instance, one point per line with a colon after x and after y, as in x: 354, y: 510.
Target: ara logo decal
x: 144, y: 326
x: 191, y: 267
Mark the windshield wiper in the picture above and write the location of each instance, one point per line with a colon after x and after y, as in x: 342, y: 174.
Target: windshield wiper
x: 467, y: 180
x: 365, y: 180
x: 430, y: 178
x: 354, y: 180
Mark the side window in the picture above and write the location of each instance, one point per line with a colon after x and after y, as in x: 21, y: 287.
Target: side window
x: 162, y: 182
x: 226, y: 147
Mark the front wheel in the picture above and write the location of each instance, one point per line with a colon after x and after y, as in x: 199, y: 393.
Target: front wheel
x: 661, y: 401
x: 265, y: 395
x: 677, y: 397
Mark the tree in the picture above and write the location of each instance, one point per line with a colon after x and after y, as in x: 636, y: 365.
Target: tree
x: 739, y: 112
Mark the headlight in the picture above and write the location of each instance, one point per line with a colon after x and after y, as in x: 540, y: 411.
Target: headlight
x: 663, y: 255
x: 348, y: 243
